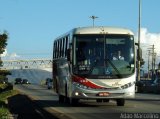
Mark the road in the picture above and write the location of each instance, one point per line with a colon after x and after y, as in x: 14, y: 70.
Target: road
x: 143, y: 106
x: 34, y: 76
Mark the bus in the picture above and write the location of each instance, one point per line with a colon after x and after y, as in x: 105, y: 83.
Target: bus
x: 87, y: 65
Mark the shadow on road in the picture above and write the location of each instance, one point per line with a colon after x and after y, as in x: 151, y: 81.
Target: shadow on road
x: 25, y: 108
x: 55, y: 103
x: 143, y: 99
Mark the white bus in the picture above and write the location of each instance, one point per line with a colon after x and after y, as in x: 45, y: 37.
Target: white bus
x: 95, y: 63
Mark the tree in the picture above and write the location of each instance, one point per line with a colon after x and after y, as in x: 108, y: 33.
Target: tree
x: 3, y: 44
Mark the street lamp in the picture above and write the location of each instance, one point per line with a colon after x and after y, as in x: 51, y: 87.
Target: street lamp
x: 93, y: 18
x: 139, y: 35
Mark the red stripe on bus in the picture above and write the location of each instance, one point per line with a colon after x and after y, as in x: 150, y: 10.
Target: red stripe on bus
x: 86, y: 82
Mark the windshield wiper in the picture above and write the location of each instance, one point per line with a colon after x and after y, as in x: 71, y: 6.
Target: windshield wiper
x: 114, y: 67
x: 108, y: 60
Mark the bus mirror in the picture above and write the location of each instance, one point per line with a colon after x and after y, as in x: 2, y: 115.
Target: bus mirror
x: 68, y: 54
x: 136, y: 44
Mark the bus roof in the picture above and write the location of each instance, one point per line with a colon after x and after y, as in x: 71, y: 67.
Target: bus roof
x: 102, y: 30
x: 97, y: 30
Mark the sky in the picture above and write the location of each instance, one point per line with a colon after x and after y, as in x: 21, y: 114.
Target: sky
x: 32, y: 25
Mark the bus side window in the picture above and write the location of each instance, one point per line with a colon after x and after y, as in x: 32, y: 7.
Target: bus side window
x: 68, y: 55
x: 60, y: 47
x: 56, y: 49
x: 63, y: 48
x: 66, y: 46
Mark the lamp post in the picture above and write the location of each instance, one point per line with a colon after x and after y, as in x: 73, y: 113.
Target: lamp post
x: 93, y: 18
x: 139, y: 35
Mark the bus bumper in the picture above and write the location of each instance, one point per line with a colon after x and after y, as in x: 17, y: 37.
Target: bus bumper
x: 81, y: 93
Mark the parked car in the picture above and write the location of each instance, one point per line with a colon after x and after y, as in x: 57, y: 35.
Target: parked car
x: 18, y: 81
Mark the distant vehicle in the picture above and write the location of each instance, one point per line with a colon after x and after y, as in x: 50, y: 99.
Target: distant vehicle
x: 25, y: 81
x: 156, y: 85
x: 49, y: 83
x: 83, y: 65
x: 18, y: 81
x: 156, y: 81
x: 149, y: 86
x: 48, y: 80
x: 144, y: 83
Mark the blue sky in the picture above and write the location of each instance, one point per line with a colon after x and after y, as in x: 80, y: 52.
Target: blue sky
x: 33, y: 24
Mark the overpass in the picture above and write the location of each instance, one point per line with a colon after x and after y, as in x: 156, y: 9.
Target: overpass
x: 29, y: 64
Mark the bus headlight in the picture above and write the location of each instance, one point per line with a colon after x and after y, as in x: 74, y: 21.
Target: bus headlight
x: 76, y: 93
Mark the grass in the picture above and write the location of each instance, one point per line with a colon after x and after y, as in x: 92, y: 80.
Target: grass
x: 3, y: 86
x: 4, y: 111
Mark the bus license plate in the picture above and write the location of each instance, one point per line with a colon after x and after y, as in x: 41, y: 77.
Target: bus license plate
x: 103, y: 94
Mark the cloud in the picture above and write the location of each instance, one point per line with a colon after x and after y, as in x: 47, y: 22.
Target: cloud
x: 12, y: 56
x: 147, y: 41
x: 150, y: 38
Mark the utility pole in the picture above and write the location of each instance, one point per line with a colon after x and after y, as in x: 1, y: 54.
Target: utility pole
x: 154, y: 64
x: 148, y: 62
x: 93, y: 18
x: 153, y: 60
x: 139, y: 32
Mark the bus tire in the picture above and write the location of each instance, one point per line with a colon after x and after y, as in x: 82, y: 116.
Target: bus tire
x: 73, y: 101
x: 120, y: 102
x: 61, y: 99
x: 66, y: 95
x: 56, y: 87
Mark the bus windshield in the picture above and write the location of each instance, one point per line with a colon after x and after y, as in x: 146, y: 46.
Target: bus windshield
x: 103, y: 56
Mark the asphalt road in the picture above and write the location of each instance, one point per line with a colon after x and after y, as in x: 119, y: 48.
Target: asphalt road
x: 143, y: 106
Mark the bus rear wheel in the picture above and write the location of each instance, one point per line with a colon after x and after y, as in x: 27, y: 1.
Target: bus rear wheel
x: 61, y: 99
x: 120, y: 102
x: 73, y: 101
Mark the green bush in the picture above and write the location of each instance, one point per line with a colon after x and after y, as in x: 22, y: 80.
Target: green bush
x: 3, y: 86
x: 6, y: 87
x: 3, y: 97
